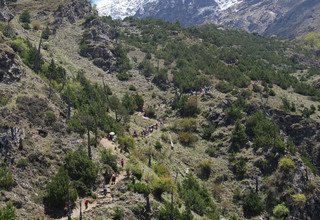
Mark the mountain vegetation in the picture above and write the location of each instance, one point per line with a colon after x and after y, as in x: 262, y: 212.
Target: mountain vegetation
x: 145, y: 119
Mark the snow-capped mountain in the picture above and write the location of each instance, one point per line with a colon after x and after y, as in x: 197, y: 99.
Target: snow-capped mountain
x: 285, y: 18
x: 120, y: 9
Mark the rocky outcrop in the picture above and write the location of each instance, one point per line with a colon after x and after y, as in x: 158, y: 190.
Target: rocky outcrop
x: 96, y: 43
x: 10, y: 66
x: 73, y: 10
x: 5, y: 13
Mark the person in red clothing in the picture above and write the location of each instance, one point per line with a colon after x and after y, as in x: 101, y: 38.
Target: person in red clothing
x: 86, y: 202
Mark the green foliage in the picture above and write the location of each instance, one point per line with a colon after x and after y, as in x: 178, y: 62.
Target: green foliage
x: 123, y: 76
x: 287, y: 106
x: 81, y: 168
x: 299, y: 199
x: 123, y: 62
x: 253, y: 204
x: 196, y: 197
x: 169, y: 212
x: 161, y: 170
x: 187, y: 138
x: 280, y: 211
x: 187, y: 106
x: 25, y: 17
x: 308, y: 162
x: 286, y: 164
x: 59, y: 189
x: 150, y: 112
x: 132, y: 88
x: 158, y: 146
x: 50, y: 118
x: 126, y: 143
x: 238, y: 137
x: 8, y: 212
x: 118, y: 213
x: 239, y: 166
x: 224, y: 87
x: 6, y: 179
x: 141, y: 188
x: 23, y: 163
x: 161, y: 185
x: 46, y: 33
x: 108, y: 158
x: 204, y: 169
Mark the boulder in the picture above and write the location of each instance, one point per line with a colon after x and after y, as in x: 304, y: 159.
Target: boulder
x: 10, y: 65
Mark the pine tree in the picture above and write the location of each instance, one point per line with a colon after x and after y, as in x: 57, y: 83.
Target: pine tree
x: 239, y: 137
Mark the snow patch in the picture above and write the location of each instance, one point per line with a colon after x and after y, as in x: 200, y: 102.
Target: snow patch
x: 225, y: 4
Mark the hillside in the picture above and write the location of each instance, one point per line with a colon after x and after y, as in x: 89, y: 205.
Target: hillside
x: 211, y: 123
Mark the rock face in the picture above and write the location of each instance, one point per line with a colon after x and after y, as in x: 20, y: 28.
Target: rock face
x: 96, y: 44
x: 5, y: 13
x: 10, y: 66
x: 73, y: 10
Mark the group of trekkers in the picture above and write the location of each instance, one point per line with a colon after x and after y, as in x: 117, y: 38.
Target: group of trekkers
x: 146, y: 131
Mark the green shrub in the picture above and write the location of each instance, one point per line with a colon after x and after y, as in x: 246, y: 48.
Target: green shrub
x: 118, y: 213
x: 158, y: 146
x: 188, y: 106
x: 8, y: 212
x: 126, y: 143
x: 161, y: 170
x: 141, y: 188
x: 166, y: 212
x: 107, y: 157
x: 59, y: 191
x: 204, y: 169
x: 299, y: 199
x: 50, y: 118
x: 6, y: 179
x: 239, y: 167
x: 22, y: 163
x: 238, y: 137
x: 81, y: 168
x: 25, y: 17
x: 280, y: 211
x: 286, y: 164
x: 132, y: 88
x: 253, y: 204
x: 197, y: 198
x: 161, y: 185
x: 187, y: 138
x: 123, y: 76
x: 224, y: 87
x: 150, y: 112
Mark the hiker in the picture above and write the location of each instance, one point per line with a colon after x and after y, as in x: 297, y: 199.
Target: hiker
x: 105, y: 190
x: 86, y: 203
x: 122, y: 162
x: 113, y: 179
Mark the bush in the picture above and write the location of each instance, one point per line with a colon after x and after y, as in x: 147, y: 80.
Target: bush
x: 280, y: 211
x: 187, y: 138
x: 239, y: 167
x: 22, y: 163
x: 36, y: 25
x: 188, y: 106
x: 58, y: 190
x: 6, y: 179
x: 126, y: 143
x: 239, y: 137
x: 106, y: 157
x: 123, y: 76
x: 118, y: 213
x: 25, y: 17
x: 158, y: 146
x: 197, y: 198
x: 224, y: 87
x: 161, y: 170
x: 132, y: 88
x: 286, y: 164
x: 141, y: 188
x: 50, y: 118
x: 81, y: 168
x: 204, y: 169
x: 150, y: 112
x: 166, y: 212
x: 8, y: 212
x: 299, y: 199
x: 161, y: 185
x: 253, y: 204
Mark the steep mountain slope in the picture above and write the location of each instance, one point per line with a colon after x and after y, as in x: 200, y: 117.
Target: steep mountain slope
x: 286, y: 19
x: 222, y: 122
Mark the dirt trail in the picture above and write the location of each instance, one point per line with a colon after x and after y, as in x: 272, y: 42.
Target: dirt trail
x: 101, y: 199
